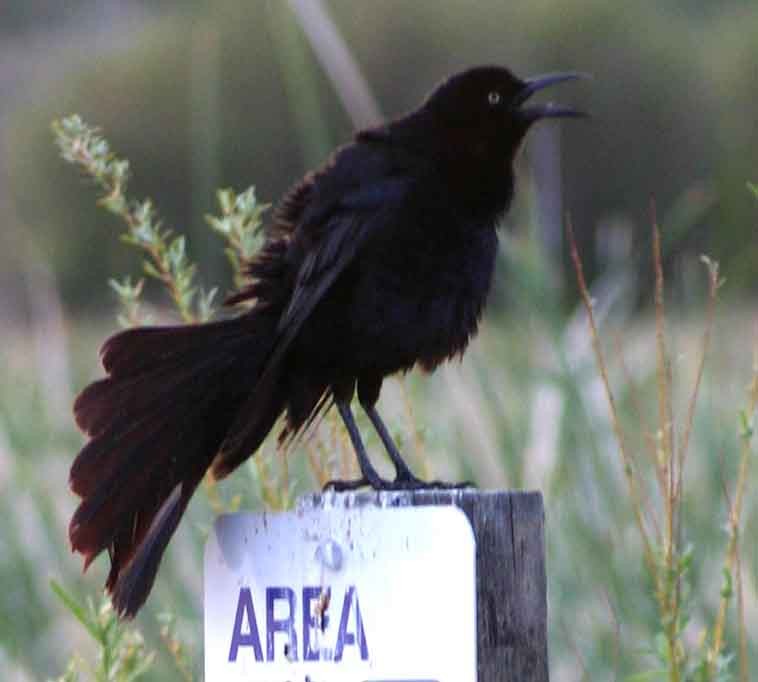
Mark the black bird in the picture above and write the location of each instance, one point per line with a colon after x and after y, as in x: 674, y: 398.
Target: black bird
x: 379, y: 260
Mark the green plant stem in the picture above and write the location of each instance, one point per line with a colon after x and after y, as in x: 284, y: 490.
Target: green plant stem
x: 747, y: 432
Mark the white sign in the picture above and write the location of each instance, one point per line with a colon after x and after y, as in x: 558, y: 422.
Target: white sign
x: 341, y: 595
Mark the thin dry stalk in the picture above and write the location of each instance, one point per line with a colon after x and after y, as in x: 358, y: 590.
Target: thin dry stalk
x: 616, y: 633
x: 274, y: 486
x: 639, y: 413
x: 178, y: 653
x: 214, y: 498
x: 338, y: 62
x: 684, y: 441
x: 669, y: 592
x: 626, y: 461
x: 742, y: 634
x: 666, y: 462
x: 344, y: 451
x: 618, y: 345
x: 418, y: 441
x: 570, y: 638
x: 285, y: 483
x: 315, y: 459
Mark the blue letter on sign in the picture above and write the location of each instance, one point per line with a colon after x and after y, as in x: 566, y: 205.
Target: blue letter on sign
x: 245, y: 611
x: 343, y: 636
x: 284, y: 625
x: 313, y: 621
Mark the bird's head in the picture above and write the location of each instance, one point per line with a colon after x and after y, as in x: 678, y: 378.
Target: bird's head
x: 486, y: 111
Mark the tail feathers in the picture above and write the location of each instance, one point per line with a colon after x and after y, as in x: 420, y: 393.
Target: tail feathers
x: 142, y: 349
x: 156, y: 422
x: 115, y: 401
x: 124, y: 481
x: 127, y: 417
x: 160, y: 359
x: 305, y: 402
x: 252, y: 424
x: 131, y: 579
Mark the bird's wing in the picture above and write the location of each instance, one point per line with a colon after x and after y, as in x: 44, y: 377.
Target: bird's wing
x: 341, y: 233
x: 334, y: 232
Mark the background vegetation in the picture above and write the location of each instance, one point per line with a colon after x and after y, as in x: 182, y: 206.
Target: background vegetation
x: 204, y: 95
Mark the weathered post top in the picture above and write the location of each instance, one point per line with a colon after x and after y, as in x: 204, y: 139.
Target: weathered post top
x: 419, y: 586
x: 511, y: 585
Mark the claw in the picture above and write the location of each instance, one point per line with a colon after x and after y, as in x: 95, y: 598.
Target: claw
x: 339, y: 486
x: 406, y: 483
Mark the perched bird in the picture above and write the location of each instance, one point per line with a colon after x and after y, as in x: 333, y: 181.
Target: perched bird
x: 379, y: 260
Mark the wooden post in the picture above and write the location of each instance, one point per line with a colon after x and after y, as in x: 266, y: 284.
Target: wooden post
x: 510, y: 567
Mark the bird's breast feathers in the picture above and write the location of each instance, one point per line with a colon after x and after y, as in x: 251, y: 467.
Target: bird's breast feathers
x: 421, y: 302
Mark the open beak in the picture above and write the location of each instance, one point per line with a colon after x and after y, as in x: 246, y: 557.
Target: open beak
x: 535, y: 112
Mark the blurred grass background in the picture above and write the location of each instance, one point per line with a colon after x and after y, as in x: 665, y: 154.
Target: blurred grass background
x: 201, y: 95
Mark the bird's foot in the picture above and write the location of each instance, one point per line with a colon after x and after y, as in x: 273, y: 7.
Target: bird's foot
x: 339, y: 486
x: 411, y: 482
x: 400, y: 483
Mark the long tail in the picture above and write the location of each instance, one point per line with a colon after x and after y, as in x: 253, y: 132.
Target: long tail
x: 155, y: 423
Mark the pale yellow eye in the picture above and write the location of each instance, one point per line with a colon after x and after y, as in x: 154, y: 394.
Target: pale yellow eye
x: 494, y: 98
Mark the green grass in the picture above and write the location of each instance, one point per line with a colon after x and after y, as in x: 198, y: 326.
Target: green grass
x: 525, y: 408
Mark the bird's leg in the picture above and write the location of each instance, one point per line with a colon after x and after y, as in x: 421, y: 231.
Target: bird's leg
x: 405, y: 479
x: 402, y: 473
x: 369, y: 475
